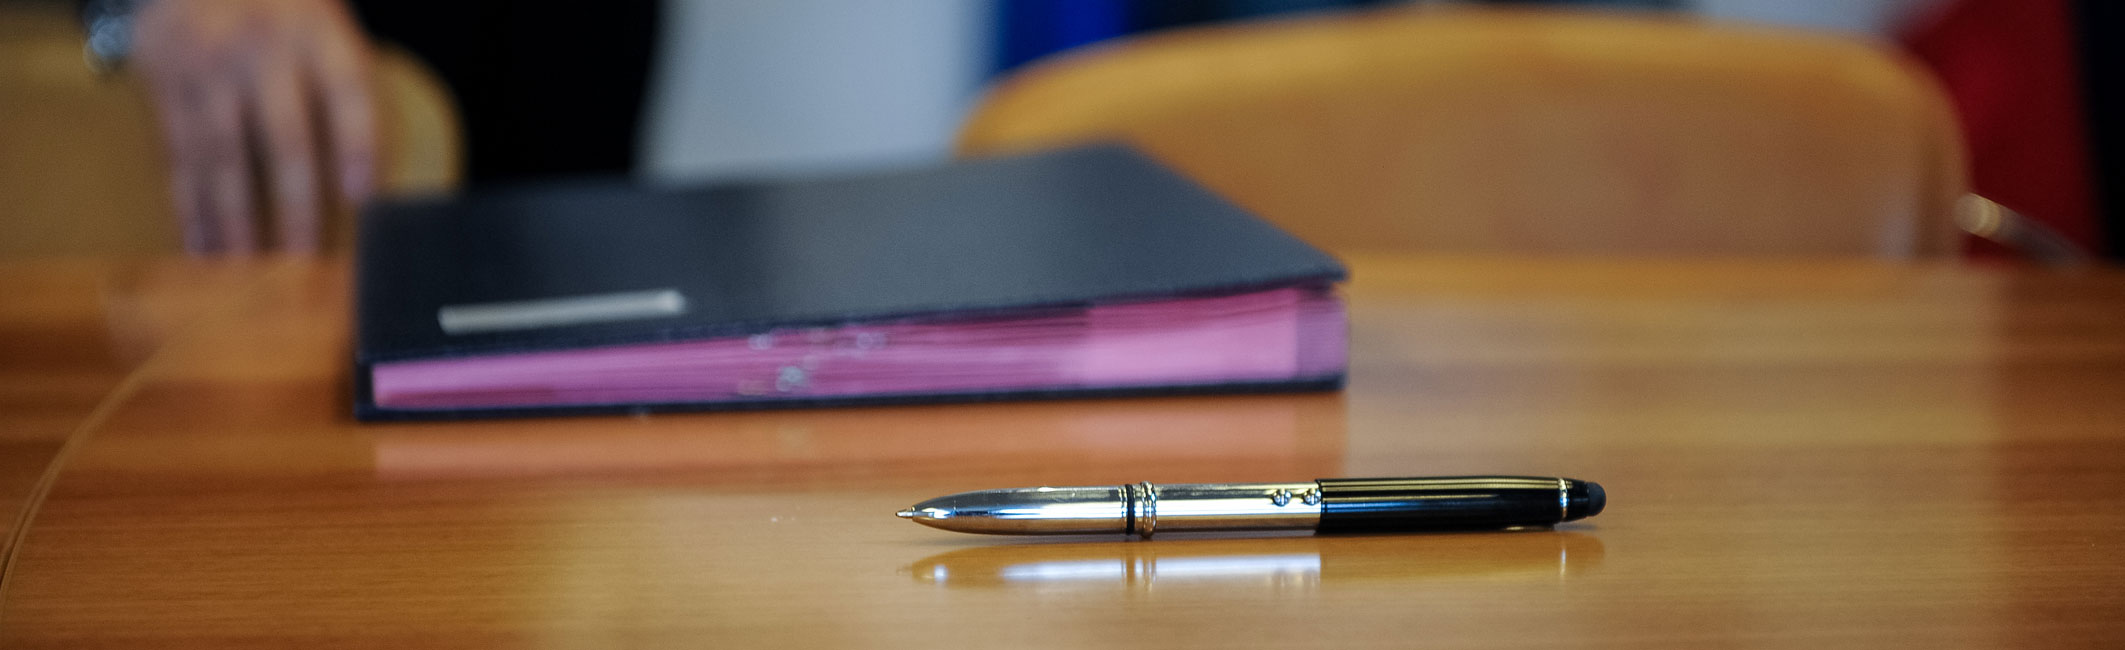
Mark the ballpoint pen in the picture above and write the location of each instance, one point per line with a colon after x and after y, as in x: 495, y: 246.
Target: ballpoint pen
x: 1329, y: 505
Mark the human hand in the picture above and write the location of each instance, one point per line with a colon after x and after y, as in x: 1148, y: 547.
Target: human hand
x: 257, y: 90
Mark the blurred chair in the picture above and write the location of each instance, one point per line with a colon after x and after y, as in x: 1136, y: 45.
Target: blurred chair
x: 82, y: 168
x: 1521, y: 131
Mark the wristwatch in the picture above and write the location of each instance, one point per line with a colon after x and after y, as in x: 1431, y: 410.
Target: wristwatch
x: 109, y: 26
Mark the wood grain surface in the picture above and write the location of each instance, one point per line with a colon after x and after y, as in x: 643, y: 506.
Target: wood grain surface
x: 70, y: 332
x: 1799, y: 454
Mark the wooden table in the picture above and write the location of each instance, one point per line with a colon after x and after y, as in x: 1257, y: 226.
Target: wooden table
x: 1799, y: 454
x: 70, y: 332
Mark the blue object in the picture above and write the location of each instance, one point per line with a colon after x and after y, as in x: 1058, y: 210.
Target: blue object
x: 1030, y: 29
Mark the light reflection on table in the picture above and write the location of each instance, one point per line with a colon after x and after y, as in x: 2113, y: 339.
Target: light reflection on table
x: 1281, y: 562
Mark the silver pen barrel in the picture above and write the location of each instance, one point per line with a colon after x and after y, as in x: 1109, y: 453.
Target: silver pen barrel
x: 1325, y: 505
x: 1141, y: 509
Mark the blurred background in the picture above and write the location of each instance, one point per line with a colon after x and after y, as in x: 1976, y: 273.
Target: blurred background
x: 823, y: 84
x: 720, y: 89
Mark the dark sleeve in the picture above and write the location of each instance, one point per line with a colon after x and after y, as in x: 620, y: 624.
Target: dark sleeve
x: 544, y: 89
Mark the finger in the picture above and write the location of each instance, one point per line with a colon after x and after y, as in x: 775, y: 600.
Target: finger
x: 178, y: 108
x: 227, y: 168
x: 284, y: 130
x: 339, y: 68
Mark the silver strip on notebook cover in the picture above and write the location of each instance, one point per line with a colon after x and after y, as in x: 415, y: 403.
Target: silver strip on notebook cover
x: 560, y: 312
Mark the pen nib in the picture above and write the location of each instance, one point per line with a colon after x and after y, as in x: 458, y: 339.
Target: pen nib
x: 906, y: 514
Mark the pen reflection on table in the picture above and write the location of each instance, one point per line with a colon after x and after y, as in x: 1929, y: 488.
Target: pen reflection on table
x: 1298, y: 563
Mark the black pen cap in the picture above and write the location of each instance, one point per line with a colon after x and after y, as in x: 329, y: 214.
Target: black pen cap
x: 1377, y: 505
x: 1584, y: 499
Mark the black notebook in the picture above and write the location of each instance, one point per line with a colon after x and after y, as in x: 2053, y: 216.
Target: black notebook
x: 1084, y: 271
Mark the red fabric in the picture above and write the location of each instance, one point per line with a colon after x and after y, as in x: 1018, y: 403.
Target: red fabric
x: 2011, y: 68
